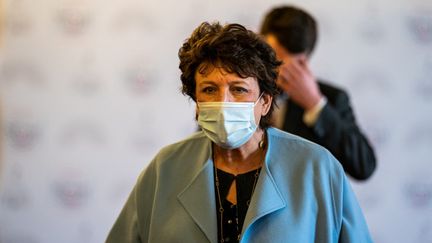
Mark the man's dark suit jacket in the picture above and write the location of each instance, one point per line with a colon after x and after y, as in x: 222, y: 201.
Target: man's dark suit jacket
x: 335, y: 129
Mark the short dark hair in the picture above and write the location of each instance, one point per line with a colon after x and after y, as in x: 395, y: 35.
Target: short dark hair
x: 294, y: 28
x: 233, y: 48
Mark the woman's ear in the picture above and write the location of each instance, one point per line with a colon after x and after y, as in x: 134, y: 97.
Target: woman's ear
x: 266, y: 103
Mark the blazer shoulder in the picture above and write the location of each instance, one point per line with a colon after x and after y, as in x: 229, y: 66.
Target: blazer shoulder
x: 197, y: 142
x: 328, y: 88
x: 288, y: 141
x: 333, y: 93
x: 297, y: 152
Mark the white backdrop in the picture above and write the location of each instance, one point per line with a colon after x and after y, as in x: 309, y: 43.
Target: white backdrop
x: 90, y: 92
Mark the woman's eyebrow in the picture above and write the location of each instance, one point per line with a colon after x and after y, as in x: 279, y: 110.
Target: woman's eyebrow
x: 239, y: 82
x: 206, y: 82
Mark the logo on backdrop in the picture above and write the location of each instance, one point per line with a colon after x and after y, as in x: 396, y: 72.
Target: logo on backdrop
x: 139, y: 80
x: 419, y: 194
x: 22, y: 135
x: 420, y: 27
x: 71, y: 189
x: 73, y: 21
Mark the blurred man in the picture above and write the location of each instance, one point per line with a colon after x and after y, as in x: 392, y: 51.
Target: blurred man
x: 309, y: 107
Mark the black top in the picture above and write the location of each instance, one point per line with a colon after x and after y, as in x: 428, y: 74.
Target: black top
x: 233, y: 216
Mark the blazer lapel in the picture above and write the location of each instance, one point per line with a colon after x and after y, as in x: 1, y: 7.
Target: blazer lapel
x: 198, y: 199
x: 265, y: 199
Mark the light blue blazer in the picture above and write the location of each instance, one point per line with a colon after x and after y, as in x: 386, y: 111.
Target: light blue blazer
x: 302, y: 195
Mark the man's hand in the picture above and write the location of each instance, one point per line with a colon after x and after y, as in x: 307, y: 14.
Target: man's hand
x: 296, y: 79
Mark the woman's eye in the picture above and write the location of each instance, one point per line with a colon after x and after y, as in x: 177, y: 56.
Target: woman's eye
x: 208, y: 90
x: 240, y: 90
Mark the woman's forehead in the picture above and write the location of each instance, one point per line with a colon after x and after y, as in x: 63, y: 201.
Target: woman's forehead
x: 211, y: 68
x: 208, y: 67
x: 220, y: 74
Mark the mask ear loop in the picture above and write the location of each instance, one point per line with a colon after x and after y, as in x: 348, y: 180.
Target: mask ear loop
x: 261, y: 144
x: 256, y: 102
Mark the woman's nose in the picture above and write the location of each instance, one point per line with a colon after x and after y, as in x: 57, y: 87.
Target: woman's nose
x: 225, y: 96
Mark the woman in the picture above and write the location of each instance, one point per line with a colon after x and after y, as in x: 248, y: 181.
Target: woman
x: 238, y: 179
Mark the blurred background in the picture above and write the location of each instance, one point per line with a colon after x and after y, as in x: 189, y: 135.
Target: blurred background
x: 89, y: 92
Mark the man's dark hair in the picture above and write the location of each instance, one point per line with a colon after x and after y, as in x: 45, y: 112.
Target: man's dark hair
x: 295, y: 29
x: 233, y: 48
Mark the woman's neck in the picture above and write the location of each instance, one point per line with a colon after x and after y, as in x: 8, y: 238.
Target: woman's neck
x: 249, y: 156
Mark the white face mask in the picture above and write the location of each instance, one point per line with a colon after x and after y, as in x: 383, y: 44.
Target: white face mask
x: 228, y: 124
